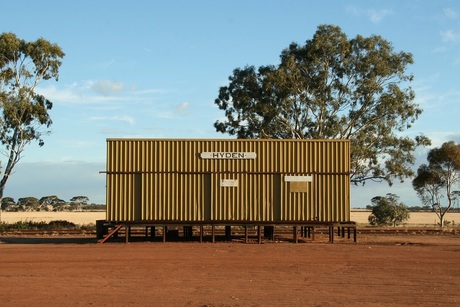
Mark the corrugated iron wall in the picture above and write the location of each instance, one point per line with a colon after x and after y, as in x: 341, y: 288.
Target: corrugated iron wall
x: 169, y: 180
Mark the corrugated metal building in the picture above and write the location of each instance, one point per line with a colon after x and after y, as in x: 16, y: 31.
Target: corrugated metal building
x: 228, y: 180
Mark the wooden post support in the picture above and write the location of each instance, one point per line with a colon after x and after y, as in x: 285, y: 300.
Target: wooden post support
x: 201, y: 233
x: 152, y: 232
x: 295, y: 233
x: 331, y: 234
x: 259, y: 234
x: 213, y: 233
x: 228, y: 232
x: 246, y: 235
x: 165, y: 231
x: 127, y: 233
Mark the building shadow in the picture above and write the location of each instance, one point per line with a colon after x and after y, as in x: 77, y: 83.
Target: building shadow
x: 47, y: 240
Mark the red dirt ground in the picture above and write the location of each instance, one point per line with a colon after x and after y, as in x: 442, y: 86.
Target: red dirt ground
x: 379, y: 270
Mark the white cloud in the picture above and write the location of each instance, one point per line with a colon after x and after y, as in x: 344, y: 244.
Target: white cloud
x: 96, y: 92
x: 107, y: 87
x: 67, y: 95
x: 375, y: 16
x: 455, y: 137
x: 450, y: 36
x: 429, y: 99
x: 352, y: 10
x: 123, y: 118
x: 74, y: 94
x: 439, y: 137
x: 182, y: 108
x: 178, y: 110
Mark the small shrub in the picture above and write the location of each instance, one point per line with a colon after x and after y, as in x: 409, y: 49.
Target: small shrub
x: 60, y: 224
x: 90, y: 226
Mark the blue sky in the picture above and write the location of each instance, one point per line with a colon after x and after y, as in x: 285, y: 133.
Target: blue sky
x: 154, y: 68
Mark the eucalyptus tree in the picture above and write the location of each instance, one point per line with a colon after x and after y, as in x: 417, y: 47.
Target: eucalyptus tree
x: 24, y: 113
x: 331, y: 87
x: 437, y: 180
x: 52, y: 200
x: 6, y: 202
x: 80, y: 199
x: 29, y: 203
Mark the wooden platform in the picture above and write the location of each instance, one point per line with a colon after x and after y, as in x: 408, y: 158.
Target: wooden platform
x: 169, y: 229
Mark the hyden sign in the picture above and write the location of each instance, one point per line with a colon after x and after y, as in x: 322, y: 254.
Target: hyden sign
x: 228, y: 155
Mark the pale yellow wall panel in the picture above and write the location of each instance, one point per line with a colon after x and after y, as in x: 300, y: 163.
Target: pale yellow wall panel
x: 161, y: 179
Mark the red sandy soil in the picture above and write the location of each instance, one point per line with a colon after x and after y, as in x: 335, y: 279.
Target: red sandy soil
x: 378, y: 270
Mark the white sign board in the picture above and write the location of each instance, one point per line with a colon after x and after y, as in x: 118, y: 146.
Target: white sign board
x: 232, y: 183
x: 298, y: 178
x: 228, y: 155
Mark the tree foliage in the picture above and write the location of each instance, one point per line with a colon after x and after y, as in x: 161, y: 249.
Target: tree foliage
x: 7, y: 201
x: 52, y: 200
x: 437, y: 179
x: 331, y: 88
x: 49, y: 203
x: 387, y: 211
x: 80, y: 199
x: 32, y: 203
x: 24, y: 112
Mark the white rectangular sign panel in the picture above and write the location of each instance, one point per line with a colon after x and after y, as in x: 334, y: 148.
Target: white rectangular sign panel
x: 228, y: 155
x: 232, y: 183
x: 298, y: 178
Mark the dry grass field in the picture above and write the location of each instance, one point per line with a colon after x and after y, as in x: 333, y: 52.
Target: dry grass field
x: 416, y: 218
x: 86, y: 218
x: 79, y: 218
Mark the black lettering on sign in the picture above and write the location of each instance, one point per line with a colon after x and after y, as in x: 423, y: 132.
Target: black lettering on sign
x: 228, y: 155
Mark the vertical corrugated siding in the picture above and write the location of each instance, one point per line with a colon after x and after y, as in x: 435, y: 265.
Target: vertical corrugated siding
x: 161, y: 179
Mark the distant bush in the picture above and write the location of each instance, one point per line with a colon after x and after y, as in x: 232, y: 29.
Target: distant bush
x: 387, y: 211
x: 54, y: 225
